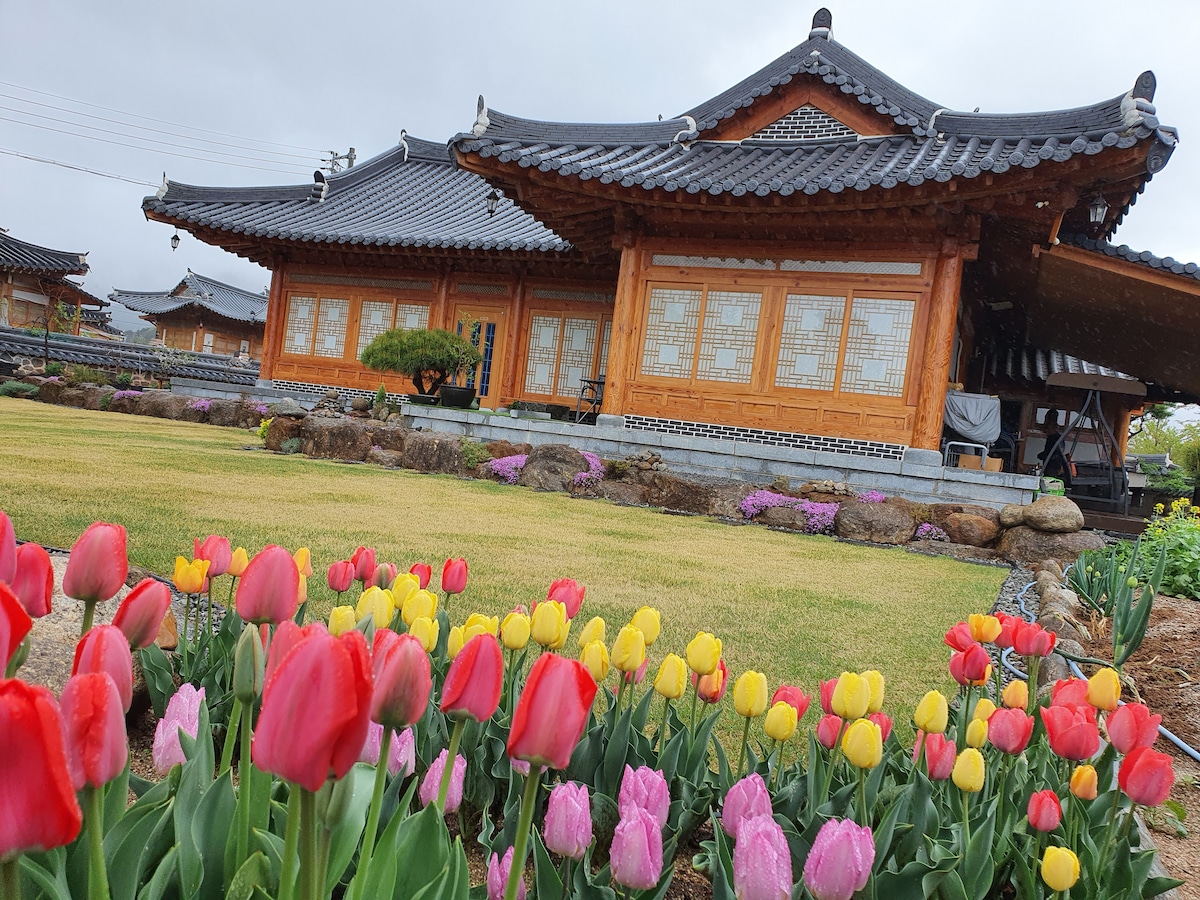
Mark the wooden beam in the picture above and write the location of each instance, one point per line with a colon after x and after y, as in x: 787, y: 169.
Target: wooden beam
x: 276, y: 317
x: 621, y: 344
x: 939, y: 344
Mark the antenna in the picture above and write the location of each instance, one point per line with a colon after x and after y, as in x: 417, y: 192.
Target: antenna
x: 333, y: 162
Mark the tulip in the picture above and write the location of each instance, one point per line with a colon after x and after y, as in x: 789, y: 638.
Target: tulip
x: 932, y: 713
x: 711, y: 688
x: 141, y: 613
x: 33, y: 582
x: 851, y: 696
x: 750, y: 694
x: 15, y: 624
x: 404, y: 586
x: 875, y: 682
x: 1072, y: 731
x: 959, y: 637
x: 828, y: 730
x: 1104, y: 689
x: 316, y: 704
x: 645, y: 788
x: 190, y: 577
x: 377, y: 603
x: 552, y: 711
x: 217, y: 551
x: 780, y: 723
x: 454, y: 576
x: 478, y: 623
x: 183, y: 712
x: 940, y: 755
x: 514, y: 631
x: 969, y: 771
x: 568, y: 827
x: 497, y: 876
x: 41, y: 811
x: 840, y: 861
x: 1131, y: 726
x: 94, y: 728
x: 862, y: 744
x: 636, y: 851
x: 8, y: 550
x: 595, y: 657
x: 972, y: 666
x: 1084, y: 783
x: 671, y: 680
x: 342, y: 619
x: 474, y: 680
x: 1016, y: 694
x: 424, y: 572
x: 983, y: 709
x: 745, y: 800
x: 762, y: 862
x: 984, y: 629
x: 433, y: 778
x: 426, y: 631
x: 419, y: 603
x: 106, y: 649
x: 649, y: 621
x: 401, y: 753
x: 1146, y: 776
x: 519, y: 766
x: 592, y: 631
x: 237, y: 563
x: 1009, y: 730
x: 1069, y: 692
x: 549, y: 625
x: 1060, y: 868
x: 793, y: 696
x: 98, y: 565
x: 569, y: 593
x: 977, y: 731
x: 455, y: 641
x: 340, y: 575
x: 269, y: 589
x: 364, y: 564
x: 1044, y: 811
x: 385, y: 574
x: 1030, y: 639
x: 1008, y: 624
x: 704, y: 653
x: 884, y: 721
x: 401, y: 680
x: 827, y: 689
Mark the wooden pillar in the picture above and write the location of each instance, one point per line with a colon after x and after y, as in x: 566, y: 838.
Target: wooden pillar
x: 939, y: 346
x: 514, y: 352
x: 276, y: 318
x: 620, y: 345
x: 439, y: 312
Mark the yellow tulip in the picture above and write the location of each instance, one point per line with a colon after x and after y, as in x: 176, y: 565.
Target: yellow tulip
x: 780, y: 723
x: 404, y: 586
x: 876, y: 684
x: 547, y: 624
x: 454, y: 642
x: 1016, y: 694
x: 341, y: 620
x: 238, y: 563
x: 977, y: 731
x: 984, y: 629
x: 189, y: 576
x: 302, y: 590
x: 303, y: 561
x: 649, y: 621
x: 932, y: 713
x: 704, y: 653
x: 377, y: 602
x: 862, y: 744
x: 1084, y: 784
x: 851, y: 696
x: 671, y: 680
x: 1060, y: 868
x: 629, y: 649
x: 478, y: 623
x: 514, y: 631
x: 984, y: 709
x: 426, y: 631
x: 592, y: 631
x: 419, y: 603
x: 595, y: 657
x: 969, y: 771
x: 1104, y: 689
x: 750, y: 694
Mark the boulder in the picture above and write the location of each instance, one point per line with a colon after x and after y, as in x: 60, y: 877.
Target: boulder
x: 501, y: 449
x: 93, y: 396
x: 964, y: 552
x: 72, y: 396
x: 289, y: 408
x: 334, y: 439
x: 251, y: 414
x: 1046, y: 581
x: 1012, y: 515
x: 389, y: 459
x: 700, y: 497
x: 967, y: 528
x: 1052, y: 566
x: 123, y: 404
x: 783, y: 517
x: 879, y: 523
x: 192, y: 413
x: 552, y: 467
x: 1057, y: 515
x: 225, y: 413
x: 1024, y: 545
x: 168, y: 632
x: 621, y: 493
x: 388, y: 437
x: 51, y: 391
x: 939, y: 513
x: 360, y: 404
x: 282, y: 429
x: 162, y: 404
x: 429, y: 451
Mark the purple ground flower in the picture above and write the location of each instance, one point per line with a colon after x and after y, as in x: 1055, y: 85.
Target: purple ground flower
x: 126, y: 395
x: 871, y: 497
x: 927, y: 531
x: 507, y: 468
x: 200, y: 403
x: 594, y: 474
x: 818, y: 517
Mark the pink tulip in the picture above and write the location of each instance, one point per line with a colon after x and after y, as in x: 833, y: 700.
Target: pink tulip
x: 1030, y: 639
x: 637, y: 676
x: 1146, y: 776
x: 424, y: 572
x: 746, y: 800
x: 940, y: 755
x: 94, y: 723
x: 340, y: 575
x: 827, y: 689
x: 216, y: 550
x: 106, y: 649
x: 1072, y: 731
x: 454, y: 576
x: 519, y: 766
x: 287, y: 636
x: 33, y: 582
x: 552, y: 711
x: 840, y: 860
x: 645, y: 788
x: 98, y: 565
x: 14, y: 624
x: 568, y: 827
x: 828, y: 730
x: 474, y: 679
x: 402, y: 680
x: 636, y: 851
x: 141, y: 612
x: 364, y: 564
x: 762, y: 862
x: 1069, y: 692
x: 433, y: 781
x: 8, y: 548
x: 1131, y: 726
x: 884, y: 721
x: 970, y: 666
x: 569, y: 593
x: 497, y: 876
x: 401, y: 755
x: 183, y: 712
x: 1009, y: 730
x: 1044, y: 811
x: 385, y: 574
x: 269, y: 589
x: 793, y: 696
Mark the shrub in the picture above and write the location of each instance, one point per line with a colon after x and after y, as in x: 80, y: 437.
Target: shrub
x: 17, y: 389
x: 264, y: 426
x: 86, y: 375
x: 54, y: 368
x: 290, y: 446
x: 1178, y: 530
x: 508, y: 468
x: 474, y: 453
x: 381, y: 396
x: 105, y: 401
x: 123, y: 380
x: 615, y: 469
x: 430, y: 358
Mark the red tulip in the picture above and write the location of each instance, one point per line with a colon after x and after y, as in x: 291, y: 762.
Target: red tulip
x: 474, y: 679
x: 569, y: 593
x: 1008, y: 624
x: 8, y: 548
x: 141, y: 612
x: 792, y: 696
x: 287, y: 636
x: 364, y: 564
x: 40, y: 809
x: 454, y: 576
x: 402, y: 680
x: 216, y: 550
x: 33, y: 582
x: 552, y: 711
x: 827, y: 689
x: 14, y: 624
x: 97, y: 746
x: 1146, y: 776
x: 1044, y: 811
x: 1009, y: 730
x: 1131, y: 726
x: 424, y: 572
x: 1072, y: 731
x: 940, y: 755
x: 316, y: 706
x: 711, y: 688
x: 1030, y: 639
x: 959, y: 637
x: 341, y: 575
x: 98, y: 565
x: 884, y: 721
x: 269, y: 589
x: 384, y: 575
x: 970, y: 666
x: 1069, y: 692
x: 828, y: 730
x: 106, y: 649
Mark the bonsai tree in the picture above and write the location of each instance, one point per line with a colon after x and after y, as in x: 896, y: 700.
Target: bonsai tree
x: 430, y: 358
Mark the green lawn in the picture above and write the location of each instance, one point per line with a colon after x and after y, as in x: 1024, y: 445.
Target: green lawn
x: 798, y: 608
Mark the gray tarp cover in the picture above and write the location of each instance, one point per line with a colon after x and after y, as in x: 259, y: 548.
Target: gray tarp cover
x: 975, y: 416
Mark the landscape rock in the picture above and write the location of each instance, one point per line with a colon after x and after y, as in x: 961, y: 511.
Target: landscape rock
x: 282, y: 429
x: 51, y: 391
x: 1024, y: 545
x: 879, y: 523
x: 1045, y: 581
x: 388, y: 437
x: 289, y: 408
x: 193, y: 413
x: 501, y: 449
x: 782, y: 517
x: 225, y: 413
x: 429, y: 451
x: 552, y: 467
x: 703, y: 498
x: 334, y: 439
x: 968, y: 528
x: 123, y: 404
x: 168, y: 632
x: 389, y: 459
x: 964, y: 552
x: 360, y: 404
x: 1060, y: 625
x: 1056, y: 515
x: 939, y: 513
x: 1053, y: 567
x: 72, y: 396
x: 623, y: 493
x: 93, y: 396
x: 161, y: 404
x: 1012, y: 515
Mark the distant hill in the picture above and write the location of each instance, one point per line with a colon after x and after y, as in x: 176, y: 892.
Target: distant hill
x: 140, y: 335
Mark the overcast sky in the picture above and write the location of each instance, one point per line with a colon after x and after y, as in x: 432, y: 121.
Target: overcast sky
x: 311, y: 77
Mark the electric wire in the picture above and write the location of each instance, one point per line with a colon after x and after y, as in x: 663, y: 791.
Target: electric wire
x: 55, y: 162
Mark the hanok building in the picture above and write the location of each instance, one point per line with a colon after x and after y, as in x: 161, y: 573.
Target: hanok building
x: 35, y: 291
x: 808, y: 259
x: 203, y: 315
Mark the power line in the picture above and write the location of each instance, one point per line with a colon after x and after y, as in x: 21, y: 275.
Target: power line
x: 55, y: 162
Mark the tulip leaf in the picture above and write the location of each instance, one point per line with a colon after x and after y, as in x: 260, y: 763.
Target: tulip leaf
x: 668, y: 760
x: 159, y: 677
x: 422, y: 844
x: 946, y: 884
x: 163, y: 878
x: 345, y: 836
x: 254, y: 873
x: 977, y: 869
x: 697, y: 759
x: 641, y: 713
x: 722, y: 865
x: 52, y: 881
x: 116, y: 798
x: 886, y: 828
x: 546, y: 880
x: 453, y: 883
x: 209, y: 830
x: 124, y: 846
x: 1160, y: 884
x: 614, y: 754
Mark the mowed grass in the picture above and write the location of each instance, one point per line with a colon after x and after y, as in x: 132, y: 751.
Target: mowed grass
x: 798, y: 608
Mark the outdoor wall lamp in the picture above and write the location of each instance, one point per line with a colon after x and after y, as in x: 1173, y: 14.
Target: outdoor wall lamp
x: 1097, y: 210
x: 175, y: 241
x: 493, y: 200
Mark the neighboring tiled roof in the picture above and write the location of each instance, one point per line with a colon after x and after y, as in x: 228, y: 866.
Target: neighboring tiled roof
x: 19, y: 256
x: 198, y: 290
x: 421, y: 201
x: 1143, y: 258
x: 1032, y: 365
x: 76, y: 289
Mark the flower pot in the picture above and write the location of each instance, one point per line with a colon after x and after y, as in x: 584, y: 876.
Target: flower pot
x: 456, y: 396
x: 422, y: 399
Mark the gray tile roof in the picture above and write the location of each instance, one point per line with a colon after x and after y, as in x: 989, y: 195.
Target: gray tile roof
x: 1142, y: 257
x: 198, y: 290
x: 1033, y: 365
x: 30, y: 259
x: 423, y: 201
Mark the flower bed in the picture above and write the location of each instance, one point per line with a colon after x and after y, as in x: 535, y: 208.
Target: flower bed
x: 818, y: 517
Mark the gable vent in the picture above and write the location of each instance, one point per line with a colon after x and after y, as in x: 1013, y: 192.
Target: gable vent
x: 806, y: 124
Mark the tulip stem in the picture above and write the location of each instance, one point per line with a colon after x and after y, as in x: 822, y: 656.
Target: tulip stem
x: 10, y: 878
x: 230, y: 737
x: 964, y: 717
x: 308, y: 844
x: 291, y: 841
x: 695, y: 703
x: 89, y: 612
x: 1032, y: 664
x: 448, y: 770
x: 368, y: 846
x: 97, y: 873
x: 862, y: 799
x: 966, y: 804
x: 620, y: 694
x: 778, y: 764
x: 521, y: 840
x: 834, y: 757
x: 745, y: 741
x: 662, y: 729
x: 245, y: 780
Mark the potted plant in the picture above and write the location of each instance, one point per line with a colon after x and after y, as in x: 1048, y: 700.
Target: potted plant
x: 429, y: 358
